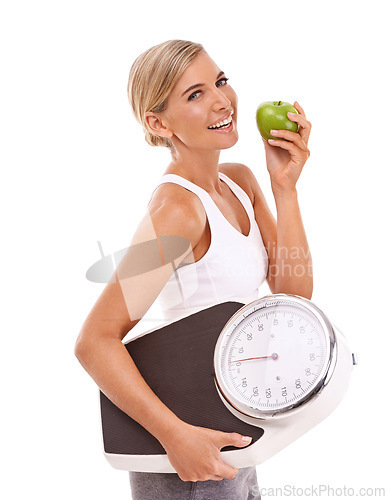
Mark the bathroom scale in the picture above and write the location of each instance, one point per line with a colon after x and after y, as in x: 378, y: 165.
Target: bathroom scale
x: 271, y: 369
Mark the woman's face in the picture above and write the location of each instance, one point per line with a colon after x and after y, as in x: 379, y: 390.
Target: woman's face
x: 199, y: 102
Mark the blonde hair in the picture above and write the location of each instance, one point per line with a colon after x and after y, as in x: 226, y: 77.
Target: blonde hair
x: 153, y: 76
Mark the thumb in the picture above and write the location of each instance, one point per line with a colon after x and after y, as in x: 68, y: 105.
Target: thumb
x: 235, y: 439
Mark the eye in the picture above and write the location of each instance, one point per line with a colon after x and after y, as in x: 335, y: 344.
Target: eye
x: 222, y: 81
x: 194, y: 96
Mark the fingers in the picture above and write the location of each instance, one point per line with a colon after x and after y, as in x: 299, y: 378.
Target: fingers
x: 231, y: 439
x: 299, y: 109
x: 298, y: 150
x: 301, y: 120
x: 298, y: 155
x: 224, y: 472
x: 210, y: 465
x: 290, y: 136
x: 216, y: 478
x: 228, y: 472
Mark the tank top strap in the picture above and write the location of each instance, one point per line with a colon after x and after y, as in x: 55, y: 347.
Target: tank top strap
x: 241, y: 195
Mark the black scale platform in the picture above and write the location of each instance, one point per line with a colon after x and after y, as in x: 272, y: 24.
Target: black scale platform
x: 177, y: 363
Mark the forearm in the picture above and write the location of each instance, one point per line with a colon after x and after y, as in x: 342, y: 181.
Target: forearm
x: 290, y: 268
x: 114, y: 371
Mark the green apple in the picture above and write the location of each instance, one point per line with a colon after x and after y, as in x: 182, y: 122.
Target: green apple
x: 272, y: 115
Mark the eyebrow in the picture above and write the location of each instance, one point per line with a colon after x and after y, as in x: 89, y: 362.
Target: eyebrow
x: 200, y: 84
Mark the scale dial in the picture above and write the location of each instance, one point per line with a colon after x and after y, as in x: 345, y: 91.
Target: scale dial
x: 274, y: 355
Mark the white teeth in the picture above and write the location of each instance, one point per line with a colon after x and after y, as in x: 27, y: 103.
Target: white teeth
x: 224, y: 122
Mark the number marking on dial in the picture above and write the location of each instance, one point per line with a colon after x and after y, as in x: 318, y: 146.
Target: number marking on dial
x: 271, y: 352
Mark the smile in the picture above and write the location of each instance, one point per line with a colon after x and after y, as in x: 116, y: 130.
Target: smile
x: 222, y: 124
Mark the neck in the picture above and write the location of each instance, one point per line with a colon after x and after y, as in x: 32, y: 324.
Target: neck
x: 198, y: 166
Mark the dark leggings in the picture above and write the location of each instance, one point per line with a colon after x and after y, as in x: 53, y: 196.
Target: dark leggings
x: 154, y: 486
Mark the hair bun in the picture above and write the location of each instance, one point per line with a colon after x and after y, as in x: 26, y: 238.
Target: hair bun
x: 156, y: 140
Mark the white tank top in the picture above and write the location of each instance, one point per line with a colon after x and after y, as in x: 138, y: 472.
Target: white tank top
x: 233, y: 268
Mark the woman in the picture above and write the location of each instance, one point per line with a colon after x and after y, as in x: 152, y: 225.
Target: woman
x: 184, y: 102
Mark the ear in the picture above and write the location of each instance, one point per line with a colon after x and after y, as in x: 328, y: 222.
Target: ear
x: 156, y: 125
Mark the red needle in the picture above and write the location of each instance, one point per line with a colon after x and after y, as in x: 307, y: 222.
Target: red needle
x: 273, y: 356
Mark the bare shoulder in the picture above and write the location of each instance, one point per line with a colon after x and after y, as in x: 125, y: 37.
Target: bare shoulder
x: 245, y: 178
x: 177, y: 211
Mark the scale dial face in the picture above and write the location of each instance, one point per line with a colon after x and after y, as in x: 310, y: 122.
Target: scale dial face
x: 273, y: 355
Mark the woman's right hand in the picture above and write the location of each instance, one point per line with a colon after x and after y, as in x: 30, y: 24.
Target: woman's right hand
x: 194, y: 452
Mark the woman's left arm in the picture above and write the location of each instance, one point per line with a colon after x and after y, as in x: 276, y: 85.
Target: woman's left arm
x: 290, y: 263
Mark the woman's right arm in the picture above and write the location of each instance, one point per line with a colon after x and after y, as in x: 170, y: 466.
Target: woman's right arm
x: 193, y: 451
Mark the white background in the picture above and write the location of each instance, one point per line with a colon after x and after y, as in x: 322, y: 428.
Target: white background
x: 76, y: 170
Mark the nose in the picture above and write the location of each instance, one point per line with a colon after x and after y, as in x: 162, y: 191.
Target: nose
x: 221, y: 101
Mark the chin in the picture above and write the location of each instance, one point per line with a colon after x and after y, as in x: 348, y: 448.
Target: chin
x: 231, y: 141
x: 226, y: 141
